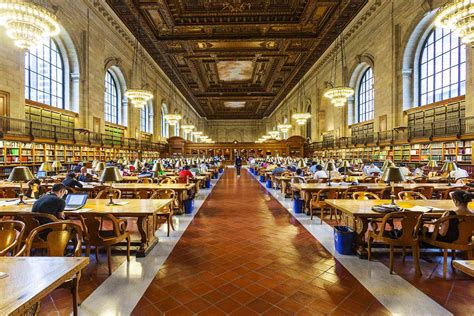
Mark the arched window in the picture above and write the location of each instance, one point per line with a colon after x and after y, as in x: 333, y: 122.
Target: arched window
x: 44, y: 75
x: 164, y: 123
x: 365, y: 96
x: 442, y: 67
x: 176, y: 130
x: 146, y: 119
x: 112, y: 99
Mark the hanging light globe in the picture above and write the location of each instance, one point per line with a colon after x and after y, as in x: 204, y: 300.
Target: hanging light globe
x: 173, y: 119
x: 301, y: 118
x: 138, y: 97
x: 274, y: 134
x: 339, y: 95
x: 27, y: 23
x: 284, y: 128
x: 458, y: 15
x: 187, y: 128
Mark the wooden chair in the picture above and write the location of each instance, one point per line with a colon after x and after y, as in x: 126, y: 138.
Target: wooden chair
x: 9, y: 193
x: 290, y: 189
x: 464, y: 242
x: 143, y: 194
x: 11, y: 236
x: 167, y: 181
x: 145, y: 180
x: 96, y: 237
x: 387, y: 191
x: 411, y: 195
x: 445, y: 195
x: 420, y: 180
x: 104, y: 194
x: 181, y: 180
x: 370, y: 179
x: 352, y: 189
x: 59, y: 236
x: 317, y: 202
x: 32, y: 221
x: 426, y: 190
x: 410, y: 225
x: 166, y: 213
x: 363, y: 196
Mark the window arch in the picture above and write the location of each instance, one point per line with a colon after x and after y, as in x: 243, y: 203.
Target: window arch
x: 45, y: 75
x: 164, y: 122
x: 112, y: 99
x: 365, y: 96
x: 442, y: 67
x: 146, y: 118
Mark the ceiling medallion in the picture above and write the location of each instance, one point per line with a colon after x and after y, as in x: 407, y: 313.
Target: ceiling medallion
x: 458, y: 15
x: 27, y: 23
x: 236, y: 7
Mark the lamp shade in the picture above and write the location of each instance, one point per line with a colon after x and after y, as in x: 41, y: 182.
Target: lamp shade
x: 20, y: 174
x: 300, y: 164
x: 331, y: 166
x: 111, y: 174
x: 393, y: 174
x: 156, y: 167
x: 346, y: 164
x: 120, y: 161
x: 449, y: 166
x: 99, y: 166
x: 94, y: 163
x: 57, y: 164
x: 387, y: 164
x: 46, y: 167
x: 137, y: 164
x: 432, y: 164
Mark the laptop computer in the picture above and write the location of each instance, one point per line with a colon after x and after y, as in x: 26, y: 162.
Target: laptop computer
x: 41, y: 174
x: 75, y: 201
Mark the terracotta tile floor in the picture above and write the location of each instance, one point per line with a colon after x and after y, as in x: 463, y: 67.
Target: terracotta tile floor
x: 245, y: 255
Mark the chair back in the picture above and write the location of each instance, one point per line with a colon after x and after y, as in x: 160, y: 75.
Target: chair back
x: 11, y: 235
x: 32, y: 221
x: 167, y: 181
x: 420, y: 180
x: 352, y: 189
x: 145, y: 180
x: 181, y: 180
x: 410, y: 224
x: 143, y: 194
x: 465, y: 228
x: 364, y: 196
x: 297, y: 180
x: 411, y: 195
x: 58, y: 236
x: 104, y: 194
x: 9, y: 193
x: 95, y: 221
x: 426, y: 190
x: 163, y: 194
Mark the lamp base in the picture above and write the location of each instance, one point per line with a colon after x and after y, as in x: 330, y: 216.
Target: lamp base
x: 21, y: 201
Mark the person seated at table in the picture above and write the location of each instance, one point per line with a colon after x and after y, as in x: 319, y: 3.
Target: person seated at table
x: 320, y: 173
x: 298, y: 178
x: 78, y: 168
x: 145, y: 173
x: 374, y: 169
x: 35, y: 189
x: 404, y: 169
x: 185, y: 173
x: 459, y: 173
x: 195, y: 170
x: 449, y: 230
x: 204, y: 167
x: 278, y: 169
x: 313, y: 169
x: 71, y: 181
x: 418, y: 172
x: 51, y: 203
x: 84, y: 176
x: 366, y: 170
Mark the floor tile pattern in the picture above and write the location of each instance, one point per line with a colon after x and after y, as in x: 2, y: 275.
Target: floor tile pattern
x: 243, y: 254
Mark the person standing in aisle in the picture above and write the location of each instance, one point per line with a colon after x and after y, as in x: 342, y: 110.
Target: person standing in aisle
x: 238, y: 165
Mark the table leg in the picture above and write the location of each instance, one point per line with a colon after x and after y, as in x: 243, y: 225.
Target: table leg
x: 148, y: 240
x: 360, y: 228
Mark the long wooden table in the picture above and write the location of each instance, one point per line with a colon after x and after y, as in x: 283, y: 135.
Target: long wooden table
x: 140, y: 209
x: 466, y: 266
x: 30, y: 279
x: 361, y: 212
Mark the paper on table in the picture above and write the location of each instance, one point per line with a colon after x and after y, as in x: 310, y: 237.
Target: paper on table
x: 9, y: 202
x: 121, y: 203
x: 423, y: 209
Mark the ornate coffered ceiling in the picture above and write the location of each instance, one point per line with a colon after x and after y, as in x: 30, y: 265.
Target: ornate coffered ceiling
x: 238, y: 58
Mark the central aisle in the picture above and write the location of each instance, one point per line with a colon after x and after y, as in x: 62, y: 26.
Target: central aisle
x: 245, y: 254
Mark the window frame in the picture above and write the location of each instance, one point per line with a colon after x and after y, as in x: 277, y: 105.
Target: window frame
x: 118, y: 98
x: 367, y: 114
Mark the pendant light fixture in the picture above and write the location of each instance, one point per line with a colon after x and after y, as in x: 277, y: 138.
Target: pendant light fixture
x: 138, y: 96
x: 458, y: 15
x: 274, y: 134
x: 339, y: 94
x: 28, y: 23
x: 173, y: 119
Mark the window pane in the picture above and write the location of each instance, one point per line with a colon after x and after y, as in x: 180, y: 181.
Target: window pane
x: 111, y: 99
x: 442, y: 67
x: 365, y: 96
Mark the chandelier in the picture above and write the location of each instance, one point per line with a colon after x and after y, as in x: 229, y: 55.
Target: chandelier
x: 138, y: 96
x: 458, y: 15
x: 274, y: 134
x: 27, y: 24
x: 301, y: 118
x: 187, y: 128
x: 197, y: 134
x: 339, y: 94
x: 266, y: 137
x: 173, y: 119
x: 284, y: 128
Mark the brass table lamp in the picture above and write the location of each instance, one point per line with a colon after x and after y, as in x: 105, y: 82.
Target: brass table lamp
x: 21, y: 175
x: 331, y: 166
x: 57, y: 166
x: 99, y: 167
x: 112, y: 175
x: 392, y: 175
x: 46, y: 167
x: 448, y: 167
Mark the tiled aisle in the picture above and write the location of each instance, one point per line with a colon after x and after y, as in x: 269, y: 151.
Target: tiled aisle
x: 245, y: 254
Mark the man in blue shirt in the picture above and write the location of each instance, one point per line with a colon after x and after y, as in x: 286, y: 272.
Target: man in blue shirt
x: 278, y: 169
x: 313, y: 167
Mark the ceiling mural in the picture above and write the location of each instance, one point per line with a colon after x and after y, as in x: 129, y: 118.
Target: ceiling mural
x: 236, y: 59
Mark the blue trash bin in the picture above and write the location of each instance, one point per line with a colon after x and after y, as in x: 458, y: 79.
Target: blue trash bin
x: 269, y: 184
x: 215, y: 176
x: 188, y: 206
x: 262, y: 179
x: 221, y: 170
x: 208, y: 183
x: 298, y: 205
x: 343, y: 239
x: 251, y: 170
